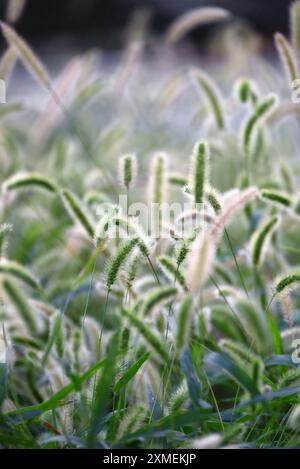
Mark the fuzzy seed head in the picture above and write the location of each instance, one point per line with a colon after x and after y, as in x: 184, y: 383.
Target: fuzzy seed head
x: 127, y: 170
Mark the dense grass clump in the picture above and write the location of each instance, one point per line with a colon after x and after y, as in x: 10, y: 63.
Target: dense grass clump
x: 111, y: 336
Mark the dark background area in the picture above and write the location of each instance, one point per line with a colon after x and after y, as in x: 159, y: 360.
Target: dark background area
x: 107, y: 19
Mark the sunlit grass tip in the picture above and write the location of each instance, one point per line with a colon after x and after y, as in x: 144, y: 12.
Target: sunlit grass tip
x: 194, y: 18
x: 26, y: 55
x: 288, y: 58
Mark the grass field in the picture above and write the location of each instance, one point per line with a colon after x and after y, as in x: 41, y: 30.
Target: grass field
x: 111, y: 337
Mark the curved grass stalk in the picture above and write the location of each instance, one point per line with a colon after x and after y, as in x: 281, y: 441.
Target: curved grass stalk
x: 21, y: 304
x: 29, y: 180
x: 195, y: 18
x: 212, y: 95
x: 77, y: 212
x: 171, y: 271
x: 260, y: 239
x: 287, y: 56
x: 260, y: 114
x: 157, y: 297
x: 150, y: 337
x: 16, y: 270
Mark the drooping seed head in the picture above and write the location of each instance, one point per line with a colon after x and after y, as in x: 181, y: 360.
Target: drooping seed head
x: 212, y: 96
x: 260, y: 239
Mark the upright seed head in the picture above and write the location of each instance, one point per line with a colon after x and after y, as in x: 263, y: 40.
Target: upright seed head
x: 200, y: 167
x: 127, y: 170
x: 158, y: 179
x: 246, y: 91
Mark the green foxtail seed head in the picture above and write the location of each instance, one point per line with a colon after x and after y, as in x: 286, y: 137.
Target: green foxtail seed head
x: 276, y: 197
x: 261, y: 112
x: 182, y: 252
x: 121, y: 256
x: 177, y: 180
x: 77, y: 211
x: 21, y: 305
x: 127, y: 170
x: 212, y: 95
x: 287, y: 282
x: 28, y: 181
x: 260, y: 239
x: 16, y: 270
x: 178, y: 398
x: 158, y: 179
x: 287, y: 177
x: 195, y: 18
x: 157, y: 297
x: 154, y: 341
x: 213, y: 198
x: 171, y: 271
x: 5, y: 229
x: 246, y: 91
x: 200, y: 168
x: 56, y: 337
x: 287, y: 56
